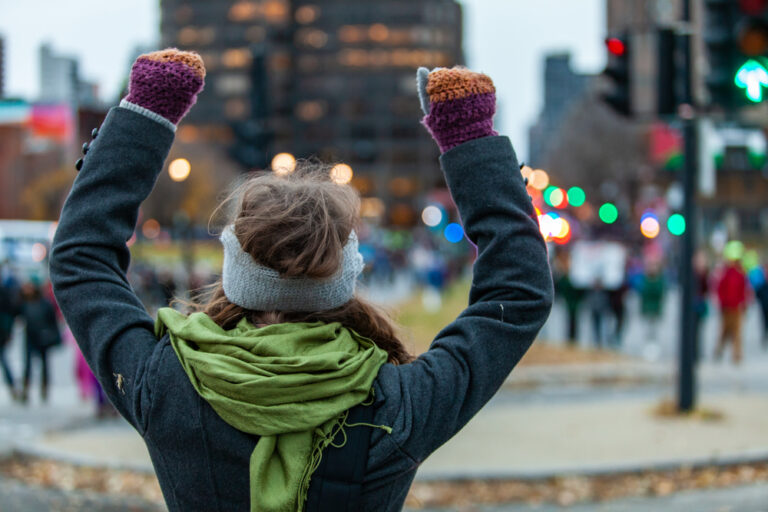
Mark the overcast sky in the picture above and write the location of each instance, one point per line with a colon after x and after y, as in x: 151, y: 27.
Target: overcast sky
x: 504, y: 38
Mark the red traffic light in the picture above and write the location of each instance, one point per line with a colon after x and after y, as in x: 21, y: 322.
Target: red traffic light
x: 616, y: 46
x: 753, y: 7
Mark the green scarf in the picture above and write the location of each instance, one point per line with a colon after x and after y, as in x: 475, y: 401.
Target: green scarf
x: 289, y: 383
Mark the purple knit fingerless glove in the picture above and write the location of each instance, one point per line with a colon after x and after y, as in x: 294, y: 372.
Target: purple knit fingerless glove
x: 459, y: 105
x: 166, y: 82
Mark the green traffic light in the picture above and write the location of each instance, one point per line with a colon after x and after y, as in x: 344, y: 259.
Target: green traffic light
x: 576, y: 196
x: 676, y: 224
x: 752, y: 77
x: 608, y: 213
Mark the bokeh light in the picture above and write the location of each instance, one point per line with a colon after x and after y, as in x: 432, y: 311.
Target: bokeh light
x: 608, y: 213
x: 179, y: 169
x: 432, y: 216
x: 526, y: 171
x: 538, y: 179
x: 547, y: 194
x: 341, y: 174
x: 650, y: 227
x: 284, y: 163
x: 150, y: 229
x: 751, y: 260
x: 734, y: 250
x: 39, y: 251
x: 676, y: 224
x: 576, y: 196
x: 558, y: 198
x: 454, y: 233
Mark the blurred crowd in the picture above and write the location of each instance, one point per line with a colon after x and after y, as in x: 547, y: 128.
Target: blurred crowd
x: 418, y: 258
x: 726, y: 287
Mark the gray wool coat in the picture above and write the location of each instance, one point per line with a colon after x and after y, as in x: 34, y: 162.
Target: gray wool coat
x: 201, y: 461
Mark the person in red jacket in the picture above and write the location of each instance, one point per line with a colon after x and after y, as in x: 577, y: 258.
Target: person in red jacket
x: 732, y: 295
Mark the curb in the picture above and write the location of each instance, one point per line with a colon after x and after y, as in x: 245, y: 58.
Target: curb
x: 594, y: 375
x: 27, y: 449
x: 748, y: 457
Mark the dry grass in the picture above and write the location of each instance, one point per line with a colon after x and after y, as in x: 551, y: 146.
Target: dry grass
x: 420, y: 326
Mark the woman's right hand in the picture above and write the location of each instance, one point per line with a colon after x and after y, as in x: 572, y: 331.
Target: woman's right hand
x: 458, y: 104
x: 166, y: 82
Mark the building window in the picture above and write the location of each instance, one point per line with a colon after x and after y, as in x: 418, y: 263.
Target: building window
x: 188, y: 134
x: 312, y: 37
x: 351, y: 34
x: 275, y: 11
x: 255, y: 34
x: 309, y: 63
x: 311, y: 110
x: 229, y: 85
x: 196, y: 36
x: 184, y: 14
x: 244, y: 11
x: 307, y: 14
x: 187, y: 36
x: 236, y: 108
x: 378, y: 32
x: 236, y: 58
x: 210, y: 59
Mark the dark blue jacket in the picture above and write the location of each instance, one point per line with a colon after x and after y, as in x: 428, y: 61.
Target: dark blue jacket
x: 202, y: 462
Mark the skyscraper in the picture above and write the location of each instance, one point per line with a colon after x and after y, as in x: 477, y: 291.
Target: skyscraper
x: 562, y: 89
x: 327, y: 78
x: 2, y: 67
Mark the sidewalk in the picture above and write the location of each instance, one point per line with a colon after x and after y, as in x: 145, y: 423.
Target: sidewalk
x: 513, y: 440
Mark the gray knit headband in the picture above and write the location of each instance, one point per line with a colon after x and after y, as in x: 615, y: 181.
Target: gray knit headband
x: 259, y: 288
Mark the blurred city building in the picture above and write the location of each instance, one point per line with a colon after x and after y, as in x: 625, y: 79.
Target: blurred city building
x: 39, y: 139
x: 324, y: 78
x: 2, y: 66
x: 60, y: 80
x: 563, y: 87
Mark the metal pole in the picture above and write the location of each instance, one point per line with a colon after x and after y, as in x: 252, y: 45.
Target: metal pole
x: 688, y: 331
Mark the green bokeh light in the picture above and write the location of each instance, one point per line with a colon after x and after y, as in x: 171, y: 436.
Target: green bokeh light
x: 547, y: 195
x: 734, y: 250
x: 608, y: 213
x: 676, y: 224
x: 576, y: 196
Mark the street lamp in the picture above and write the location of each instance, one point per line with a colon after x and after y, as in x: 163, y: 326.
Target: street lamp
x: 283, y: 163
x: 341, y: 174
x: 179, y: 169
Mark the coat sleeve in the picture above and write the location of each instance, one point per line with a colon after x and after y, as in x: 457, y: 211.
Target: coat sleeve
x: 89, y: 257
x: 510, y: 298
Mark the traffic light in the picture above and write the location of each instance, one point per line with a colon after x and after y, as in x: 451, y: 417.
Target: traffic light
x: 618, y: 70
x: 667, y: 96
x: 252, y: 136
x: 736, y: 36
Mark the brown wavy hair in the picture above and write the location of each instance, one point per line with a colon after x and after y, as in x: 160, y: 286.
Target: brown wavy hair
x: 298, y: 225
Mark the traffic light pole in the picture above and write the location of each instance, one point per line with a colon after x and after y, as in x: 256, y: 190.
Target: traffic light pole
x: 688, y: 332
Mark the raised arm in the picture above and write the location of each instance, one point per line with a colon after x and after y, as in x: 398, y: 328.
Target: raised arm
x: 511, y: 293
x: 89, y: 257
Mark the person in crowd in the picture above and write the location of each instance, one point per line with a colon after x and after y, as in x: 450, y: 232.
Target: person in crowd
x: 599, y: 305
x: 732, y: 296
x: 571, y: 295
x: 8, y: 312
x: 701, y: 282
x: 759, y: 284
x: 286, y: 391
x: 616, y: 299
x: 652, y: 288
x: 41, y: 334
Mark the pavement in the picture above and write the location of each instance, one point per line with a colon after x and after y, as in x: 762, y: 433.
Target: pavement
x: 752, y: 498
